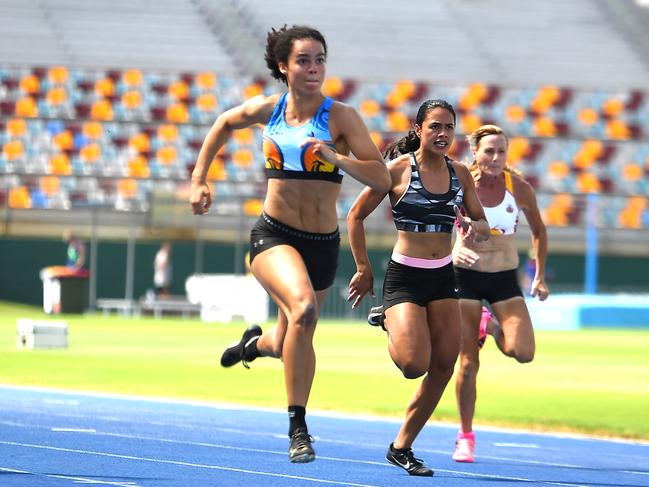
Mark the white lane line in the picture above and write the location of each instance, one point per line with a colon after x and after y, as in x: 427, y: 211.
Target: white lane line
x: 518, y: 445
x: 634, y: 472
x: 184, y: 464
x: 77, y: 480
x: 74, y: 430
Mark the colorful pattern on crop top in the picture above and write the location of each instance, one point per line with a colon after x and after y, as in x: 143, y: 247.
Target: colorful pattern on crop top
x: 419, y: 210
x: 503, y: 218
x: 282, y: 152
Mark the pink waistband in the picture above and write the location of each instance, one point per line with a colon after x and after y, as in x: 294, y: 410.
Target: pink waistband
x: 421, y: 263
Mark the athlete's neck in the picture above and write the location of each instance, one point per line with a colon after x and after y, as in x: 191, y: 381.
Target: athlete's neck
x: 300, y: 107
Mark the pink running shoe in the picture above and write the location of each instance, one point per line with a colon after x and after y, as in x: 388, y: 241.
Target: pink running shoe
x: 484, y: 319
x: 464, y: 447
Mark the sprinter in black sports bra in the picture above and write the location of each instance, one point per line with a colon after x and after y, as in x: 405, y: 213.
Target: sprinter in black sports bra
x: 422, y: 314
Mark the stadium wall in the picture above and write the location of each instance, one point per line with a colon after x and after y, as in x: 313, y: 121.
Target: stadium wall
x: 21, y: 260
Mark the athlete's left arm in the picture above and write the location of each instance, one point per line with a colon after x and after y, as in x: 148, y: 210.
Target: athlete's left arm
x: 526, y: 201
x: 475, y: 228
x: 367, y: 166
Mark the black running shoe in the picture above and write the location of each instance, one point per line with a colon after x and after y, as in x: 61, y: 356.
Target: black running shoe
x: 236, y: 352
x: 376, y: 317
x: 300, y: 450
x: 405, y: 459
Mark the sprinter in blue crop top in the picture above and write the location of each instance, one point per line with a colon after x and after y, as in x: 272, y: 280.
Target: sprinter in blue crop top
x: 420, y: 306
x: 294, y: 245
x: 488, y: 271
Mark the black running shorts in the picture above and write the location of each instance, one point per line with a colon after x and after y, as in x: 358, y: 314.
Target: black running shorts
x: 405, y: 284
x: 318, y: 250
x: 490, y: 286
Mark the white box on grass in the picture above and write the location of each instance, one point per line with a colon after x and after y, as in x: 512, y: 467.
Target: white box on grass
x: 41, y: 334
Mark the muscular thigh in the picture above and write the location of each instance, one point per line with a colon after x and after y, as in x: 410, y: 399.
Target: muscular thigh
x: 514, y: 319
x: 408, y: 328
x: 444, y: 324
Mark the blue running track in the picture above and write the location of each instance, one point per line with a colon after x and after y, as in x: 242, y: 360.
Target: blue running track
x: 50, y: 438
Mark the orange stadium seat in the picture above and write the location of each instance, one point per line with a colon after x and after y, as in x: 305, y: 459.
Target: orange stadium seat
x: 50, y: 185
x: 13, y: 150
x: 132, y: 78
x: 168, y: 133
x: 30, y: 85
x: 398, y: 122
x: 515, y: 113
x: 57, y: 96
x: 127, y: 188
x: 105, y: 87
x: 589, y: 151
x: 557, y: 212
x: 631, y: 214
x: 58, y: 75
x: 101, y: 110
x: 558, y: 169
x: 93, y: 130
x: 588, y: 182
x: 179, y: 90
x: 545, y: 98
x: 206, y: 81
x: 167, y: 154
x: 253, y: 206
x: 617, y: 129
x: 177, y: 113
x: 138, y: 167
x: 632, y: 172
x: 206, y: 102
x: 473, y: 96
x: 519, y: 148
x: 244, y: 136
x: 63, y: 141
x: 588, y: 116
x: 140, y: 142
x: 19, y: 198
x: 369, y: 108
x: 90, y: 153
x: 333, y: 87
x: 469, y: 122
x: 26, y: 107
x: 253, y: 89
x: 16, y: 127
x: 60, y: 165
x: 131, y: 99
x: 613, y: 107
x: 544, y: 127
x: 217, y: 171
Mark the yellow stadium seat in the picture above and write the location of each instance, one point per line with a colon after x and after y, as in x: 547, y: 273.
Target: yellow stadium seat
x: 545, y: 98
x: 398, y: 122
x: 587, y: 182
x: 253, y: 207
x: 19, y: 198
x: 243, y: 158
x: 544, y: 127
x: 206, y: 81
x: 30, y: 84
x: 127, y: 188
x: 132, y: 78
x: 515, y: 113
x: 105, y: 87
x: 138, y: 167
x: 613, y: 107
x: 519, y: 147
x: 253, y: 89
x: 333, y: 87
x: 217, y: 171
x: 132, y: 99
x: 13, y: 150
x: 244, y: 136
x: 139, y: 142
x: 60, y: 164
x: 16, y: 127
x: 206, y: 102
x: 63, y: 140
x: 588, y: 153
x: 377, y: 138
x: 50, y: 185
x: 470, y: 122
x: 26, y: 107
x: 90, y: 153
x: 93, y: 130
x: 168, y: 132
x: 473, y: 96
x: 179, y: 90
x: 632, y: 172
x: 558, y: 169
x: 370, y: 108
x: 57, y: 96
x: 631, y: 214
x: 618, y: 129
x: 101, y: 110
x: 167, y: 154
x: 177, y: 113
x: 58, y: 75
x: 588, y: 116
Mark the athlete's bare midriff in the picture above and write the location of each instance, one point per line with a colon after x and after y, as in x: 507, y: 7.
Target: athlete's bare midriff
x: 497, y: 254
x: 423, y: 245
x: 305, y: 205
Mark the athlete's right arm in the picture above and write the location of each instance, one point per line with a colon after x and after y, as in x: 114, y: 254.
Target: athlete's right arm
x: 363, y: 280
x: 256, y: 110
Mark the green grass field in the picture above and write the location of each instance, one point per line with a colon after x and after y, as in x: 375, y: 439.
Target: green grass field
x: 594, y: 382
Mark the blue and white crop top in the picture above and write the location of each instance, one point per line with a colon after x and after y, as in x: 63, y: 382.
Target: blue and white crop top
x: 419, y: 210
x: 283, y: 154
x: 503, y: 218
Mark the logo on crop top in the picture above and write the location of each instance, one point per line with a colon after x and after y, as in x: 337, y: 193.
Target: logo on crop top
x: 311, y: 162
x: 272, y: 154
x: 509, y: 209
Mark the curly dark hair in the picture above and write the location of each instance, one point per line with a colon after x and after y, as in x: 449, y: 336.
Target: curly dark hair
x: 411, y: 142
x: 279, y: 43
